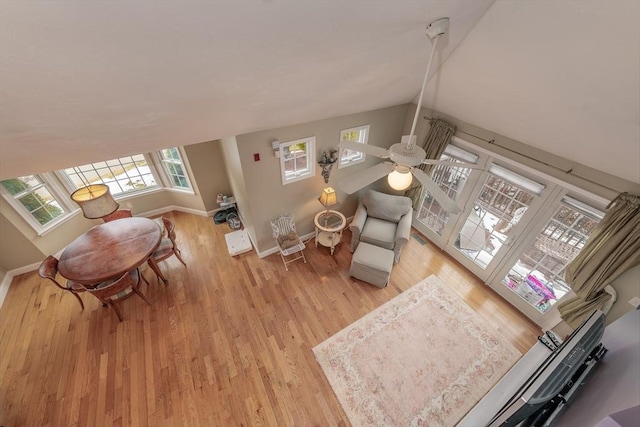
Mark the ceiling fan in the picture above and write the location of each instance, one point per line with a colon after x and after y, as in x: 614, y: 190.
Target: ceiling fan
x: 404, y: 156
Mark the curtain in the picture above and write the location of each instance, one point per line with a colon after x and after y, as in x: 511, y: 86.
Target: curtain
x: 612, y: 249
x: 437, y: 139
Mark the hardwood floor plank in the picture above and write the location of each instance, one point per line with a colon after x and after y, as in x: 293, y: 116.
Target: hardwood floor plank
x: 226, y: 342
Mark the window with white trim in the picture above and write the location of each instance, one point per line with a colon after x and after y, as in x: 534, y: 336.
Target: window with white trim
x: 544, y: 263
x: 31, y: 197
x: 451, y: 178
x: 518, y: 230
x: 174, y: 169
x: 43, y: 200
x: 297, y: 159
x: 122, y: 175
x: 358, y: 134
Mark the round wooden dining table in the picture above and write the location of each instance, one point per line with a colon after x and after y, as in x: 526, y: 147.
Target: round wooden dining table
x: 109, y: 250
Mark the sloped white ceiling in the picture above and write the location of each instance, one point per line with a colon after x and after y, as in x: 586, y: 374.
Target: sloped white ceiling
x: 85, y: 81
x: 563, y: 76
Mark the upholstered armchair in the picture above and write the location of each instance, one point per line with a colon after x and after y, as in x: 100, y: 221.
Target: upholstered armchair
x: 382, y: 220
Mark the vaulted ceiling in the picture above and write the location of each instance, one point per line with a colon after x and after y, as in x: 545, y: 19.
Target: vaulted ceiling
x: 85, y: 81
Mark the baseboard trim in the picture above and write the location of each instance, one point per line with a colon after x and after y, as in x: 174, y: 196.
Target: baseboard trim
x: 8, y: 278
x: 170, y: 208
x: 4, y: 286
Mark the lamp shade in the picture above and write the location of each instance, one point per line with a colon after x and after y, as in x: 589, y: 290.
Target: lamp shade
x: 399, y: 181
x: 328, y: 197
x: 95, y: 201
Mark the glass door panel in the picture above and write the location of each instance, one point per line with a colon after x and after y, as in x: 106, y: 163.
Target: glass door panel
x: 491, y: 224
x: 537, y: 277
x: 452, y: 180
x: 514, y: 233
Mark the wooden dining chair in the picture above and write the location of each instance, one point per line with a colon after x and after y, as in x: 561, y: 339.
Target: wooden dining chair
x: 120, y: 213
x: 49, y: 270
x: 114, y: 291
x: 168, y: 246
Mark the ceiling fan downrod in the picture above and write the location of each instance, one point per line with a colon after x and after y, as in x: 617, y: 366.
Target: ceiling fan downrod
x: 435, y: 29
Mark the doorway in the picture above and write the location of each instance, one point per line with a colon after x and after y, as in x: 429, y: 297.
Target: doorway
x: 517, y: 230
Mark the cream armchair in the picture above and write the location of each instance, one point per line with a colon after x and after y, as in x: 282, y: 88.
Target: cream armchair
x: 382, y: 220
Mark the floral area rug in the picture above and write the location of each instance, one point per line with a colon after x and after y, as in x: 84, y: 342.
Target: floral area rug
x: 425, y: 358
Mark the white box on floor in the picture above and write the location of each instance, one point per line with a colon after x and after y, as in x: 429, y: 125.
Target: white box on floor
x: 238, y: 242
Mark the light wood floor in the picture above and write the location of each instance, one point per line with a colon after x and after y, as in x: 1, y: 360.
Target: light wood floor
x: 226, y: 343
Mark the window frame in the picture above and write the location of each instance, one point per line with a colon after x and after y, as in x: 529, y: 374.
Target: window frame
x: 165, y: 176
x: 310, y: 153
x: 71, y: 187
x: 57, y: 191
x: 530, y: 226
x: 60, y: 186
x: 363, y: 138
x: 429, y: 212
x: 587, y: 208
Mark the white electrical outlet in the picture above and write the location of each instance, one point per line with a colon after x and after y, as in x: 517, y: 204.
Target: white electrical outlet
x: 635, y: 302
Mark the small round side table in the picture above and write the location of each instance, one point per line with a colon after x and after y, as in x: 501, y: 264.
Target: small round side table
x: 329, y: 225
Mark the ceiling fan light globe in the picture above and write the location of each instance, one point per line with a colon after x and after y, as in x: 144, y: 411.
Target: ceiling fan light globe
x: 399, y: 181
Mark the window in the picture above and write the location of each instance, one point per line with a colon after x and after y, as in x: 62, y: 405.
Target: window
x: 43, y: 200
x: 173, y: 167
x: 504, y: 198
x: 451, y: 180
x: 538, y: 274
x: 122, y: 175
x: 358, y: 134
x: 518, y: 229
x: 297, y: 159
x: 29, y: 195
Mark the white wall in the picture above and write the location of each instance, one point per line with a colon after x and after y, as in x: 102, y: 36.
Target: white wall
x: 265, y: 193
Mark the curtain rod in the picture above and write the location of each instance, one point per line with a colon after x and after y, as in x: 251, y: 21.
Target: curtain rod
x: 569, y: 172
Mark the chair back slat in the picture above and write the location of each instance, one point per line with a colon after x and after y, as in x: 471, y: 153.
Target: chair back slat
x: 49, y: 270
x: 120, y: 213
x: 107, y: 291
x: 283, y: 224
x: 168, y: 246
x: 112, y: 292
x: 287, y: 239
x: 170, y: 227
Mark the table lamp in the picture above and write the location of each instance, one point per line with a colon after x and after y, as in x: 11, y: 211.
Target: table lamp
x: 95, y: 200
x: 328, y: 198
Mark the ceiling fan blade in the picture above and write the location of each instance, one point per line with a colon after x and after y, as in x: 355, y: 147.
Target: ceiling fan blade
x: 435, y: 191
x: 372, y: 150
x: 355, y: 182
x: 452, y: 164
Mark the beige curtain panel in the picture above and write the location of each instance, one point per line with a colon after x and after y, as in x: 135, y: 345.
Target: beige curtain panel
x: 612, y: 249
x: 437, y: 139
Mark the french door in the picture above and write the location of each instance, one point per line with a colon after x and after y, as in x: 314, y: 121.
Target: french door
x: 515, y: 231
x: 457, y: 182
x: 532, y: 277
x: 503, y: 204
